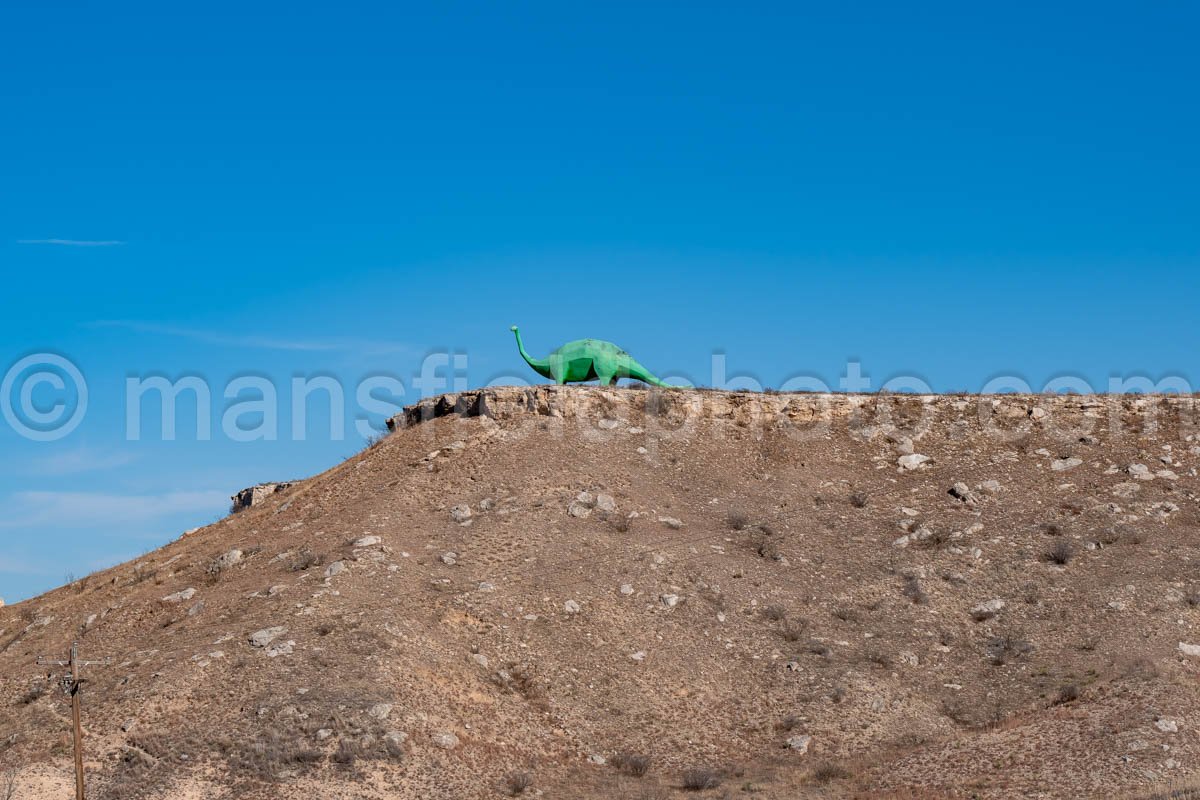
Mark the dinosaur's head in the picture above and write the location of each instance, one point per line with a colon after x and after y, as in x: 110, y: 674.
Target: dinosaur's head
x: 513, y: 329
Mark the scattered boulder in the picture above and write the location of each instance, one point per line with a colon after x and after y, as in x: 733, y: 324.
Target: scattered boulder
x: 987, y: 610
x: 1140, y: 472
x: 1192, y: 650
x: 461, y: 513
x: 368, y: 541
x: 991, y: 487
x: 1166, y: 725
x: 1162, y: 509
x: 912, y: 461
x: 179, y: 597
x: 670, y: 600
x: 606, y: 502
x: 1064, y: 464
x: 335, y: 569
x: 225, y: 561
x: 281, y: 648
x: 799, y: 744
x: 571, y: 607
x: 1126, y: 490
x: 920, y: 534
x: 671, y: 522
x: 445, y: 740
x: 265, y: 636
x: 961, y: 491
x: 380, y: 710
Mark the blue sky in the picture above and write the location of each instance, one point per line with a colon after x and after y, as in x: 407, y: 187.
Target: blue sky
x: 938, y: 190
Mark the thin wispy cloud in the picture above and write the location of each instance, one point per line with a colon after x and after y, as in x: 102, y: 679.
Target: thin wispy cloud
x: 49, y: 509
x: 81, y: 459
x: 74, y: 242
x: 16, y: 566
x: 254, y: 341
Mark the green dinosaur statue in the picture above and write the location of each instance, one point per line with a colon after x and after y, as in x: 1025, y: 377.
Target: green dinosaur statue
x: 586, y: 360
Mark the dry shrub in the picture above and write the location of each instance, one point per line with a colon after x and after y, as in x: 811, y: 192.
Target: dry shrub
x: 775, y: 613
x: 767, y: 549
x: 32, y: 694
x: 817, y: 648
x: 264, y: 758
x: 517, y: 783
x: 789, y: 723
x: 697, y: 779
x: 878, y: 658
x: 1067, y: 694
x: 846, y: 614
x: 792, y: 630
x: 346, y: 754
x: 1002, y: 649
x: 737, y: 520
x: 632, y: 763
x: 618, y: 522
x: 827, y: 772
x: 912, y: 590
x: 1061, y: 552
x: 306, y: 559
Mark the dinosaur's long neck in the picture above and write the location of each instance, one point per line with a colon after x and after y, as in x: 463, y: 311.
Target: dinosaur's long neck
x: 540, y: 365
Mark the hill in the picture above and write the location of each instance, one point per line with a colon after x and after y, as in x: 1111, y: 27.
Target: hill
x: 621, y: 593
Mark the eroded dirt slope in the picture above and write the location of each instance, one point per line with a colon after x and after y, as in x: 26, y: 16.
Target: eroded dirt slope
x: 791, y: 595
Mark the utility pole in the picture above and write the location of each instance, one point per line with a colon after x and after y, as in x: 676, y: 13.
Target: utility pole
x: 70, y: 685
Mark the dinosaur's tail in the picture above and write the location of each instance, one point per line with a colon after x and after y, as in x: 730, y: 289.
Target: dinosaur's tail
x: 640, y: 373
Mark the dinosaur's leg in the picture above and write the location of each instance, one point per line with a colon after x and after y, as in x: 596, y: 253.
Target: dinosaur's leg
x: 606, y: 370
x: 558, y: 370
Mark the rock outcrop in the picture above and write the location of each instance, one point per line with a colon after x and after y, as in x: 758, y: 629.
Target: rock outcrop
x: 252, y: 496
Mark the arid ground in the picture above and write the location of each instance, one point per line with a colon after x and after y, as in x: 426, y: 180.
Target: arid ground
x: 584, y: 592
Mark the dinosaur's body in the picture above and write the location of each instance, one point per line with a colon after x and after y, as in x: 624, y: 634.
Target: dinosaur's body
x: 587, y: 360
